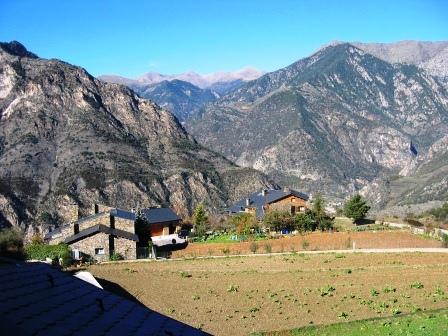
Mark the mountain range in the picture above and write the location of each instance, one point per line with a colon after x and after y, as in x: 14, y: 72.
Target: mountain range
x: 340, y: 121
x: 184, y: 94
x: 352, y: 117
x: 202, y: 81
x: 67, y: 137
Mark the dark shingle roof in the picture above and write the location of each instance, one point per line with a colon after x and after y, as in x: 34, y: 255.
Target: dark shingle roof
x: 31, y: 305
x: 123, y: 214
x: 100, y: 228
x: 160, y: 215
x: 257, y: 200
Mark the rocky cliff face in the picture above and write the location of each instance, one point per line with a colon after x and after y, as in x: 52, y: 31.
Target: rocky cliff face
x: 430, y: 56
x: 333, y: 122
x: 66, y: 136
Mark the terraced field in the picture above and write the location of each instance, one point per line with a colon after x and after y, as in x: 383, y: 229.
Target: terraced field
x: 242, y: 295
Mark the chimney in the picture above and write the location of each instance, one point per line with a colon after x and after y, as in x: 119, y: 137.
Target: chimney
x: 96, y: 208
x: 73, y: 212
x: 247, y: 201
x: 286, y: 190
x: 264, y: 192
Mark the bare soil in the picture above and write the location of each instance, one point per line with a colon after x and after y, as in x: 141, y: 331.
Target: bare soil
x: 313, y: 241
x: 240, y: 295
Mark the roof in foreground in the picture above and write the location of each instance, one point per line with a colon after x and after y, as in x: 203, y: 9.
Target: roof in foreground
x: 90, y: 231
x: 37, y: 299
x: 160, y: 215
x: 257, y: 200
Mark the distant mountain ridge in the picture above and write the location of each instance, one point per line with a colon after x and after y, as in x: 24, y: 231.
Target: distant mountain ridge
x: 185, y: 94
x: 202, y: 81
x: 182, y: 98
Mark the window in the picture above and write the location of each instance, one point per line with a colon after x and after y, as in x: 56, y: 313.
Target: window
x: 99, y: 251
x: 293, y: 199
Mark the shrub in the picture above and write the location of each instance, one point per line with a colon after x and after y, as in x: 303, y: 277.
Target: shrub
x: 305, y: 222
x: 226, y: 251
x: 279, y: 220
x: 41, y: 251
x: 11, y: 240
x: 243, y: 223
x: 115, y: 256
x: 305, y: 244
x: 445, y: 240
x: 413, y: 222
x: 253, y: 247
x: 441, y: 214
x: 268, y: 248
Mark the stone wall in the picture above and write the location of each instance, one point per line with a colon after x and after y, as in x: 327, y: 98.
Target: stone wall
x: 89, y: 244
x: 73, y: 213
x: 102, y: 219
x: 97, y: 208
x: 66, y: 231
x: 126, y: 248
x: 124, y: 224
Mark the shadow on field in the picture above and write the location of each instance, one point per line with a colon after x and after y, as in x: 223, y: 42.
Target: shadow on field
x: 118, y: 290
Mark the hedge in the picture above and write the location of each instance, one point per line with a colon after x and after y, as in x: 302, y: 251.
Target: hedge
x: 39, y: 251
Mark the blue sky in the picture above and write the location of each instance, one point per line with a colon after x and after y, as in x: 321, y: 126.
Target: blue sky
x: 133, y: 37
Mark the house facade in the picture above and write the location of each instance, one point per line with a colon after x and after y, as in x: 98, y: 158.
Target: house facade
x: 265, y: 200
x: 160, y: 225
x: 99, y: 235
x: 108, y: 230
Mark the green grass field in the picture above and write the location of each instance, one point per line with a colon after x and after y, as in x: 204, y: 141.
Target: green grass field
x: 434, y: 323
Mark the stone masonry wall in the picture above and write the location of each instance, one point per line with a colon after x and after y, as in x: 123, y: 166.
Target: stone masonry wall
x: 126, y: 248
x: 88, y: 245
x: 103, y: 219
x: 124, y: 224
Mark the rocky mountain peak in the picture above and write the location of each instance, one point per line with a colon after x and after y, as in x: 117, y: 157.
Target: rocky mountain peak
x: 17, y: 49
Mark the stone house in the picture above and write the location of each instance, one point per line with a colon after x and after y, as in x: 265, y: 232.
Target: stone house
x: 99, y: 235
x: 265, y: 200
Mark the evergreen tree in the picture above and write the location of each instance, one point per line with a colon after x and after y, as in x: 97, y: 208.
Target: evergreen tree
x: 199, y: 220
x: 323, y: 221
x: 356, y: 208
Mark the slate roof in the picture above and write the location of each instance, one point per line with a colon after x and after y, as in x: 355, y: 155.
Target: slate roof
x: 123, y: 214
x: 257, y: 200
x: 90, y: 231
x: 36, y: 299
x: 160, y: 215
